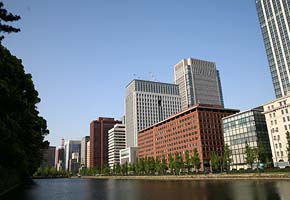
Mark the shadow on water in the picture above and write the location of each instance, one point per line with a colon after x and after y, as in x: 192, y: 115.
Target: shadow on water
x: 70, y: 189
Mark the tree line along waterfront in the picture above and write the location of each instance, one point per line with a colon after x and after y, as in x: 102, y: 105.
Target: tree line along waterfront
x: 181, y: 165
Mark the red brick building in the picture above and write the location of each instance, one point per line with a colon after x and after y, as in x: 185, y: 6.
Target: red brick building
x: 197, y: 127
x: 99, y: 140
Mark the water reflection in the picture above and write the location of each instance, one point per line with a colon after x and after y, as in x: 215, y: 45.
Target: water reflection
x: 70, y: 189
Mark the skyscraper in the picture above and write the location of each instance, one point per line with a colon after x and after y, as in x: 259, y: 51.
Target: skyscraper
x: 70, y: 147
x: 274, y: 17
x: 117, y: 141
x: 147, y: 103
x: 199, y: 82
x: 84, y: 151
x: 99, y: 140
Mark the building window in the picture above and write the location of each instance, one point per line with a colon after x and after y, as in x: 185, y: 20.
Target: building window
x: 284, y: 119
x: 282, y: 112
x: 280, y: 145
x: 274, y: 115
x: 286, y: 111
x: 276, y: 146
x: 270, y: 115
x: 281, y: 153
x: 285, y: 126
x: 274, y: 137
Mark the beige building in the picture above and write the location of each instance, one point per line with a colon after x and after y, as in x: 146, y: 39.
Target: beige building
x: 277, y: 113
x: 199, y: 82
x: 88, y: 154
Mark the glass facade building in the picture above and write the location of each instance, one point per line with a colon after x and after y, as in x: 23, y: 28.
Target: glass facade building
x: 274, y: 17
x: 245, y: 127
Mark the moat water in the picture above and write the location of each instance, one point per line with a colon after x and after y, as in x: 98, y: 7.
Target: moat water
x: 89, y: 189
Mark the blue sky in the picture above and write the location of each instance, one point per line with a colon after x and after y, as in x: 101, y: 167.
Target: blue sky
x: 83, y: 54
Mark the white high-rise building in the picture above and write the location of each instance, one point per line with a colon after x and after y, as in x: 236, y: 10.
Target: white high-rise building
x: 277, y: 113
x: 147, y: 103
x: 88, y: 154
x: 199, y: 82
x: 274, y: 17
x: 117, y: 141
x: 70, y: 147
x: 84, y: 150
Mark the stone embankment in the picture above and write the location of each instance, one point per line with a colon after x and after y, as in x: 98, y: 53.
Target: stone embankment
x: 276, y: 176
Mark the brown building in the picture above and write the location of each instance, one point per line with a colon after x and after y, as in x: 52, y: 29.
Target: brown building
x: 99, y: 140
x: 197, y: 127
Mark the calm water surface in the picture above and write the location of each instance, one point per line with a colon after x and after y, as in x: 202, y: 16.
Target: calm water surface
x: 88, y: 189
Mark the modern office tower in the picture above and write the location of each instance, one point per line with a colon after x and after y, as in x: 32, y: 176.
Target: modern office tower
x: 199, y: 126
x: 248, y: 127
x: 70, y: 147
x: 274, y: 17
x: 59, y: 156
x: 49, y: 156
x: 117, y: 141
x: 84, y: 151
x: 88, y: 154
x: 277, y: 115
x: 128, y: 155
x: 99, y: 140
x: 199, y: 82
x: 147, y: 103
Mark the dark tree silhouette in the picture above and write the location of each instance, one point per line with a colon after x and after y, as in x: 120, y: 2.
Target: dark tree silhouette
x: 22, y: 130
x: 6, y: 16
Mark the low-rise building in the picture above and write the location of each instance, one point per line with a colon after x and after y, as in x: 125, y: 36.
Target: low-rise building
x: 197, y: 127
x: 248, y: 127
x: 129, y: 155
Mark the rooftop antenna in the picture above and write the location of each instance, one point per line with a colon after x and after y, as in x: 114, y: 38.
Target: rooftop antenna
x: 152, y: 77
x: 136, y: 76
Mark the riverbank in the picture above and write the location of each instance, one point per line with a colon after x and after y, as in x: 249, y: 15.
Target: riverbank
x: 268, y: 176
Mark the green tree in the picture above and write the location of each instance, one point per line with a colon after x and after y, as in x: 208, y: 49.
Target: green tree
x: 214, y: 161
x: 164, y: 165
x: 22, y: 130
x: 158, y: 166
x: 118, y: 169
x: 178, y: 163
x: 187, y: 161
x: 226, y: 159
x: 7, y: 17
x: 195, y: 160
x: 171, y: 163
x: 250, y: 155
x: 288, y: 145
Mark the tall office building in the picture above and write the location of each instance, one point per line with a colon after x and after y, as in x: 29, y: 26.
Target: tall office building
x: 199, y: 82
x: 49, y: 156
x: 274, y: 17
x: 147, y: 103
x: 99, y: 140
x: 84, y: 151
x: 117, y: 141
x: 70, y: 147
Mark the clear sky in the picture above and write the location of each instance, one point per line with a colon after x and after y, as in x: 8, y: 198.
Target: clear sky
x: 82, y: 54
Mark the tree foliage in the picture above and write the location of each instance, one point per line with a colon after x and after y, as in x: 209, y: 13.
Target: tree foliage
x: 288, y: 145
x: 195, y: 160
x: 6, y: 16
x: 214, y: 161
x: 22, y: 130
x: 226, y: 159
